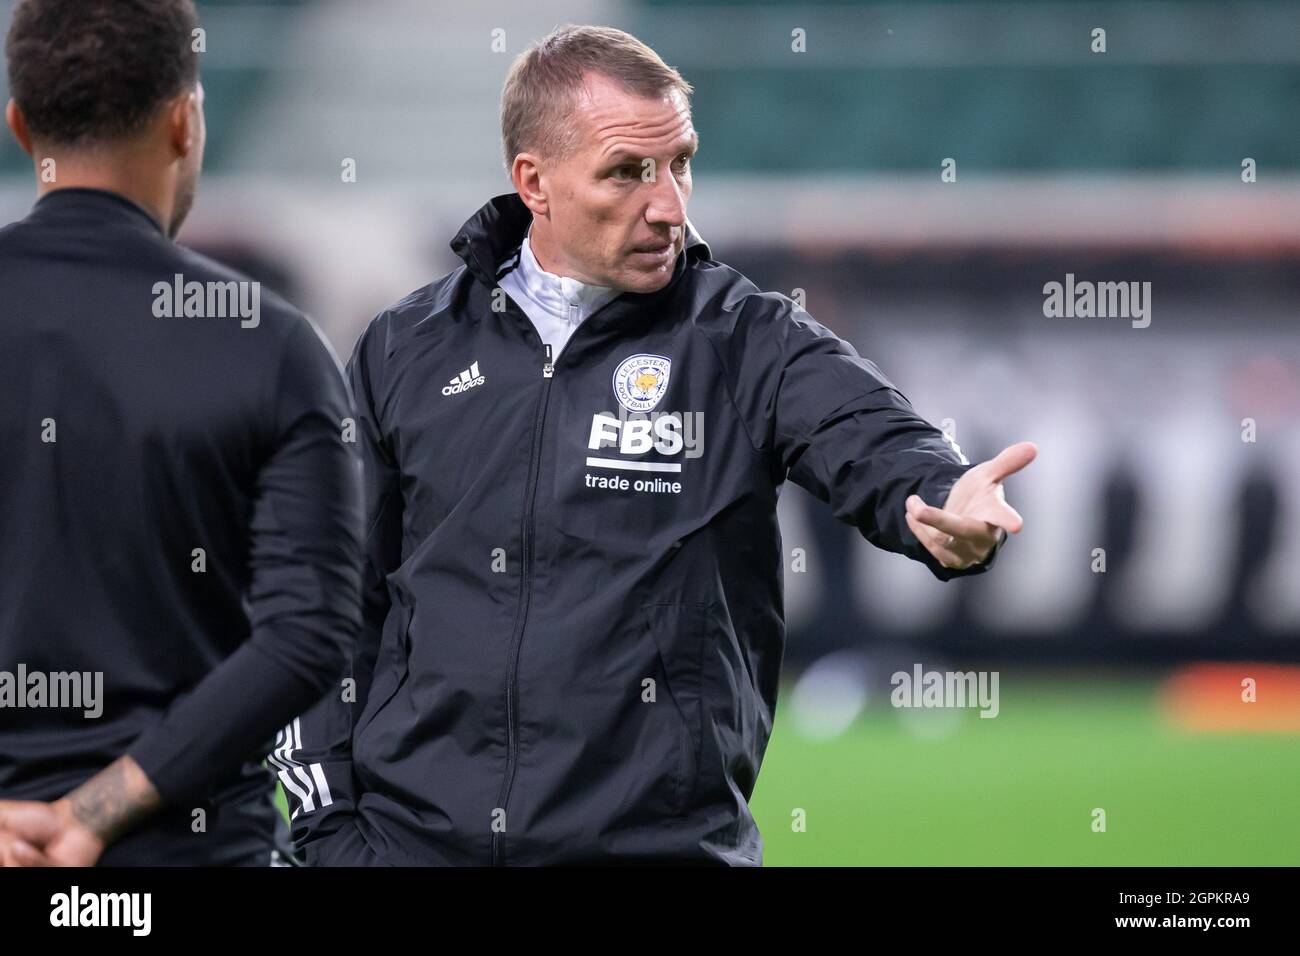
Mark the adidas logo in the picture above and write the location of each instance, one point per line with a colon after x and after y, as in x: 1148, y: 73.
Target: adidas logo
x: 465, y: 381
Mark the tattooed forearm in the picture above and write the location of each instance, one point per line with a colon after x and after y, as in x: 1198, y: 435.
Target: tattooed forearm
x: 114, y: 800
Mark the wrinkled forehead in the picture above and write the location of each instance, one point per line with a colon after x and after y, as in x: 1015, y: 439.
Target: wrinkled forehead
x: 611, y: 120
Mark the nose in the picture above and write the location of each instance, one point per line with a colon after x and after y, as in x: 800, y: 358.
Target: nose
x: 667, y: 203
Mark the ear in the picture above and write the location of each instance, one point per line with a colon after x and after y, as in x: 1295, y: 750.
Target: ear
x: 18, y: 123
x: 526, y: 174
x: 183, y: 123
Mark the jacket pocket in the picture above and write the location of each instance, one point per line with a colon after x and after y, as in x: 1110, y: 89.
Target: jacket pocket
x: 679, y: 633
x: 390, y: 667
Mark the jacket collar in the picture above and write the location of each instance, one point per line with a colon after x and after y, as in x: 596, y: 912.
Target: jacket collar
x: 95, y: 206
x: 498, y: 229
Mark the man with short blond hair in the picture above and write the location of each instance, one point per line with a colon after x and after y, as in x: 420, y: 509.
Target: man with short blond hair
x: 574, y: 445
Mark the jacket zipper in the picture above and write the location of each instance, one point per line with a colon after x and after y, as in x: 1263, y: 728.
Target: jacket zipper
x: 525, y: 599
x: 526, y: 572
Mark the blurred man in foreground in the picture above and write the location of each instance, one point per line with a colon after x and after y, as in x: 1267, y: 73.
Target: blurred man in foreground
x: 179, y: 514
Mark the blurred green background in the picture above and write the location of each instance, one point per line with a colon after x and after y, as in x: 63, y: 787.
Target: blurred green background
x: 1020, y: 789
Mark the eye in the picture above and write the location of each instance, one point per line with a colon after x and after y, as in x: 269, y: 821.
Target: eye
x: 682, y: 162
x: 625, y: 172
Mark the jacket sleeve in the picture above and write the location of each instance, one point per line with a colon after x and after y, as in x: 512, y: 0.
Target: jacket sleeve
x: 315, y: 751
x: 303, y: 593
x: 837, y: 426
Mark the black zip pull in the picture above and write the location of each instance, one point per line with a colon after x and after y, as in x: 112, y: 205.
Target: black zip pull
x: 548, y: 369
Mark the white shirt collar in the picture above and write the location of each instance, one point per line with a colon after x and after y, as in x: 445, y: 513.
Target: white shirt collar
x: 562, y: 296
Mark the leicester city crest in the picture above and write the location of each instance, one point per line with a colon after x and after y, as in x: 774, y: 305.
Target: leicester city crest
x: 640, y: 381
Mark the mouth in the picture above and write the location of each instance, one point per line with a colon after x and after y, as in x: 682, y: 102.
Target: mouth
x: 654, y: 253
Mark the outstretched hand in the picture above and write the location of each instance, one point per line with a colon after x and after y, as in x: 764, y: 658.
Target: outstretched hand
x: 976, y: 516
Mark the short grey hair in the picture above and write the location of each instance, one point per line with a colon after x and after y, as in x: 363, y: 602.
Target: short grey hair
x: 544, y: 81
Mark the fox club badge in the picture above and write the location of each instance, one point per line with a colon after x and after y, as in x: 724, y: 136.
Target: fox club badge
x: 641, y: 380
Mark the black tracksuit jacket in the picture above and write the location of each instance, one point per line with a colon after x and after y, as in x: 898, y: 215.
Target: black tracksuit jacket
x: 129, y: 442
x: 573, y: 604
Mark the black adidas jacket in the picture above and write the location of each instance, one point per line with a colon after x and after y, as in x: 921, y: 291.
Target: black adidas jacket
x: 573, y: 608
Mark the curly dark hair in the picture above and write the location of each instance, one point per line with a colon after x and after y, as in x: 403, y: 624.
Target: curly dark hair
x: 85, y: 72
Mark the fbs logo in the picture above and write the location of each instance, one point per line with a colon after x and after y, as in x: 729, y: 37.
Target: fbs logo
x: 636, y: 436
x: 641, y: 380
x: 466, y: 380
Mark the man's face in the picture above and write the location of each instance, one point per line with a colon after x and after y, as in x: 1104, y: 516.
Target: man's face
x: 617, y: 204
x: 187, y: 179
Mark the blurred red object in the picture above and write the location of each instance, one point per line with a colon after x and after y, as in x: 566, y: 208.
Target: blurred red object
x: 1222, y: 698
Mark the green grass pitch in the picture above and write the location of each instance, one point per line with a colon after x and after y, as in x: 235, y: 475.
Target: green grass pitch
x: 1020, y: 789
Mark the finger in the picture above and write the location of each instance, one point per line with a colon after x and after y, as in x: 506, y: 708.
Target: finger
x: 933, y: 542
x: 1011, y: 459
x: 31, y: 820
x: 24, y: 854
x: 971, y: 543
x: 999, y: 514
x: 12, y: 851
x: 959, y: 526
x: 967, y: 550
